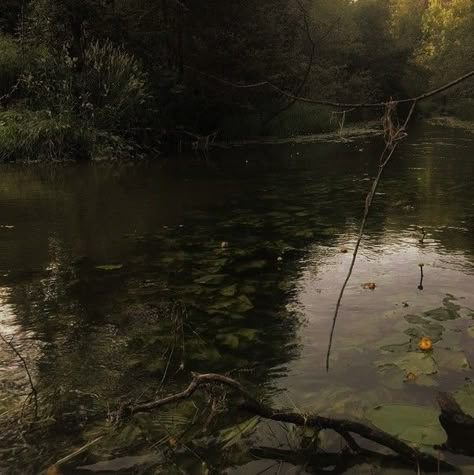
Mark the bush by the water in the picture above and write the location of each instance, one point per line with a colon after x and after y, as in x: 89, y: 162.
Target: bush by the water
x: 61, y: 112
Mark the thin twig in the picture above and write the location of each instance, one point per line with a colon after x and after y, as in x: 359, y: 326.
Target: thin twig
x: 390, y: 147
x: 34, y: 393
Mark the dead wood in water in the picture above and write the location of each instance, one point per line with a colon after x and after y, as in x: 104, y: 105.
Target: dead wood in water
x: 344, y: 427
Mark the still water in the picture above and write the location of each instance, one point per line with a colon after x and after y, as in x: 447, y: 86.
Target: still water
x: 118, y: 279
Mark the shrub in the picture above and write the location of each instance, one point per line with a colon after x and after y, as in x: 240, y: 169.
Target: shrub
x: 113, y: 86
x: 88, y: 113
x: 38, y: 135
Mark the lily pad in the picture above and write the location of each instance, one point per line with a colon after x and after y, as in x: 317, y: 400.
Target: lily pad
x: 451, y: 360
x: 416, y: 424
x: 229, y: 291
x: 414, y: 362
x: 252, y: 265
x: 232, y: 341
x: 432, y: 330
x: 109, y: 267
x: 396, y: 347
x: 243, y: 305
x: 442, y: 314
x: 211, y: 279
x: 415, y: 319
x: 248, y: 333
x: 465, y: 398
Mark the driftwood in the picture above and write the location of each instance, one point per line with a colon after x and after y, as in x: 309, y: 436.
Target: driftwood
x: 459, y: 426
x: 345, y: 428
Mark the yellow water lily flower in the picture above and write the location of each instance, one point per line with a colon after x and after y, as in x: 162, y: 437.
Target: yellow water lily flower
x: 410, y: 376
x: 424, y: 343
x: 369, y: 285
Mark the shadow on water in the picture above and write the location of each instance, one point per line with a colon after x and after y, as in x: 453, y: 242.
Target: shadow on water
x: 115, y: 277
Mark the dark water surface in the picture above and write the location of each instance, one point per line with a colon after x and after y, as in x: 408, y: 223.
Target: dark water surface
x: 118, y: 279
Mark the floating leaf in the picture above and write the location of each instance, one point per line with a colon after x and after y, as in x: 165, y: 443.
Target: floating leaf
x: 442, y: 314
x: 396, y: 347
x: 416, y: 424
x: 215, y: 279
x: 465, y: 398
x: 108, y: 267
x: 418, y: 363
x: 415, y: 319
x: 244, y: 304
x: 305, y: 234
x: 229, y: 291
x: 430, y: 329
x: 232, y: 341
x: 248, y: 333
x: 252, y: 265
x: 451, y: 360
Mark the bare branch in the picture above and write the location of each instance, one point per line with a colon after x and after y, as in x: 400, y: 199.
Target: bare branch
x: 392, y: 138
x: 345, y: 105
x: 34, y: 393
x: 251, y: 404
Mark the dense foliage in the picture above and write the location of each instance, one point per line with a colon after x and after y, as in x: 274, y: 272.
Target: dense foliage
x: 97, y: 77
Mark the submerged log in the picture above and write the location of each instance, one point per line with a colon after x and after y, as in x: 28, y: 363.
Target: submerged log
x: 458, y: 425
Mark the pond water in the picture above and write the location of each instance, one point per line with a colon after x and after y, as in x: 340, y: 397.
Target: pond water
x: 118, y: 279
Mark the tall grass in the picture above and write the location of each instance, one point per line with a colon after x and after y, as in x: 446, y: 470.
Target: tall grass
x: 113, y: 85
x: 65, y: 113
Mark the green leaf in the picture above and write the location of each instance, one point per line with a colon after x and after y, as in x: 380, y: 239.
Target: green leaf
x: 415, y: 319
x: 414, y: 362
x: 465, y: 398
x: 247, y: 333
x: 108, y: 267
x: 305, y: 234
x: 229, y: 291
x: 443, y: 313
x: 213, y: 279
x: 415, y: 424
x: 244, y: 304
x: 232, y: 341
x: 451, y: 360
x: 252, y: 265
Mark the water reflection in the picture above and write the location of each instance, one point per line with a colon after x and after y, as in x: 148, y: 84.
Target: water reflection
x: 93, y: 257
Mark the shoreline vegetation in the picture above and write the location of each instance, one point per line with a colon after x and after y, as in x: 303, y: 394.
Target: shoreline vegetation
x: 103, y: 81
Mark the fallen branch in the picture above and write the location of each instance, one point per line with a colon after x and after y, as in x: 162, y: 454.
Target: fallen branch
x: 343, y: 427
